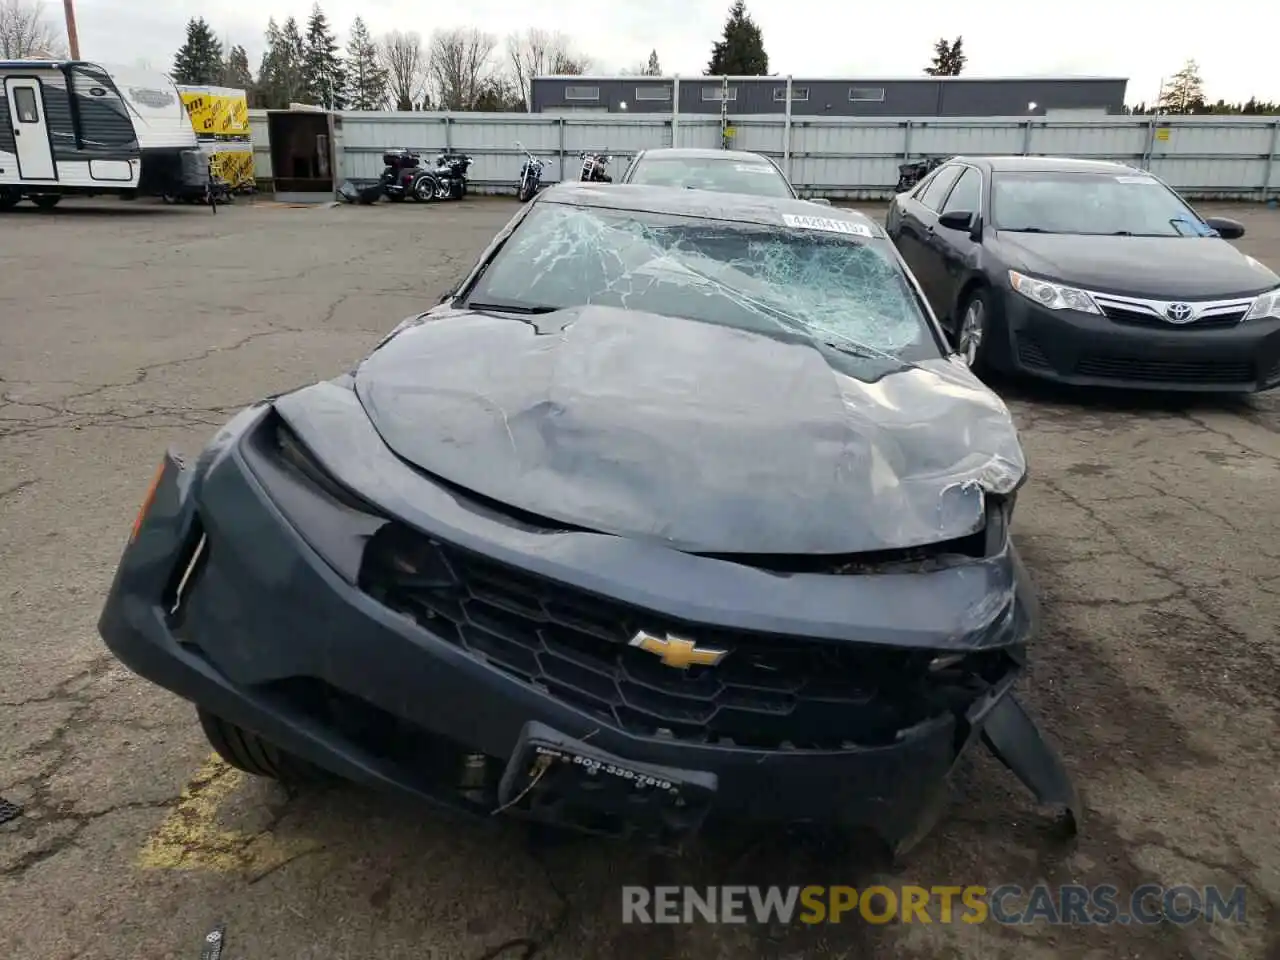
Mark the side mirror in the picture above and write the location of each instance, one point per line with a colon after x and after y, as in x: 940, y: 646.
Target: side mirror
x: 821, y: 201
x: 1227, y: 228
x: 956, y: 220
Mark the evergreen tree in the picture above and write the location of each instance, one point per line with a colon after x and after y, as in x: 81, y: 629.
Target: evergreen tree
x: 948, y: 58
x: 1184, y: 93
x: 199, y: 59
x: 280, y: 75
x: 236, y: 72
x: 653, y: 68
x: 292, y: 63
x: 740, y: 51
x: 322, y: 72
x: 367, y: 79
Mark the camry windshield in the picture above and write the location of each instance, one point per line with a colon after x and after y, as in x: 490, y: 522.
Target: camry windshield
x: 1090, y: 203
x: 840, y: 290
x: 722, y: 176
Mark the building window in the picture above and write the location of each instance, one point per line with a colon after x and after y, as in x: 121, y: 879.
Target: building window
x: 867, y: 94
x: 797, y: 93
x: 582, y: 93
x: 653, y: 93
x: 713, y: 93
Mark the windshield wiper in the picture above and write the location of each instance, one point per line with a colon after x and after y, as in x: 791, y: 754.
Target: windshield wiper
x: 524, y: 310
x: 1023, y: 229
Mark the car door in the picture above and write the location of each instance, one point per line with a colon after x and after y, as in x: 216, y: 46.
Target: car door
x: 917, y: 222
x: 30, y: 129
x: 955, y: 251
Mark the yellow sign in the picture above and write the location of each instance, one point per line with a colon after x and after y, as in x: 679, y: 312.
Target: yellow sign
x: 235, y: 168
x: 1162, y: 133
x: 678, y: 653
x: 216, y: 111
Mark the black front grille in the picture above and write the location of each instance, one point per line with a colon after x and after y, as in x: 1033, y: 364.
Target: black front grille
x: 769, y: 691
x: 1141, y: 318
x: 1166, y: 371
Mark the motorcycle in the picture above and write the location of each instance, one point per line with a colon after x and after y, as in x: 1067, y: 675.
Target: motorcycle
x: 530, y: 175
x: 595, y: 168
x: 909, y: 174
x: 403, y: 168
x: 448, y: 181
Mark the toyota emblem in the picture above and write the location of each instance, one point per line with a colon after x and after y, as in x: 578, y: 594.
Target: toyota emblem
x: 1179, y: 312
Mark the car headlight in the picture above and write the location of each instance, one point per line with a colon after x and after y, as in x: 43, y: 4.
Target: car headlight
x: 1052, y: 295
x: 1267, y: 306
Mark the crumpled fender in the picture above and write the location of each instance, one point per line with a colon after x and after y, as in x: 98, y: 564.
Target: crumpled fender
x: 1017, y: 742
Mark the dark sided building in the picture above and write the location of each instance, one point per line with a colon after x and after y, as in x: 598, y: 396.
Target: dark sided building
x: 836, y: 97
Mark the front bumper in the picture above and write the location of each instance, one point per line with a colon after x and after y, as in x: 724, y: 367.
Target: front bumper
x: 1085, y: 349
x: 223, y: 598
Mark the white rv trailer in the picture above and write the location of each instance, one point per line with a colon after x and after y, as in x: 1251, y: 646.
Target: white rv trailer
x: 72, y: 127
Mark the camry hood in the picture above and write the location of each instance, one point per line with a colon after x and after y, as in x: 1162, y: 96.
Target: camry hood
x: 1165, y: 268
x: 707, y: 438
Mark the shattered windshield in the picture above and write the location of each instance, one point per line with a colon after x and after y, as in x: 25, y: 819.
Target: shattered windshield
x: 834, y: 289
x: 1091, y: 204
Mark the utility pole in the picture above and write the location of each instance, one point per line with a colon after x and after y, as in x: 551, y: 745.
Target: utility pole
x: 724, y: 112
x: 73, y: 41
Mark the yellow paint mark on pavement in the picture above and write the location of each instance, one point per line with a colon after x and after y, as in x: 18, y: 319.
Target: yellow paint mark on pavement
x: 191, y: 839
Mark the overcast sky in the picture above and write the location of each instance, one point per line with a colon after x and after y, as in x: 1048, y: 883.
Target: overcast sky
x: 1139, y: 39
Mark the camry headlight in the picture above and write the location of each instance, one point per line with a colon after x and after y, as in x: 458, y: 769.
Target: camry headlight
x: 1052, y: 295
x: 1267, y: 306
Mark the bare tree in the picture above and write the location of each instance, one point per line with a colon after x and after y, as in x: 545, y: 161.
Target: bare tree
x: 459, y: 61
x: 25, y: 32
x: 401, y: 56
x: 537, y: 53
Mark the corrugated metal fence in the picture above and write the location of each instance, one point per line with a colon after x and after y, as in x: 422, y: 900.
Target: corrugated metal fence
x: 1207, y: 157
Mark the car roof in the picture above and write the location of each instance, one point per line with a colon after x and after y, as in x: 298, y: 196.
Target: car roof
x: 677, y: 201
x: 1001, y: 164
x: 697, y: 153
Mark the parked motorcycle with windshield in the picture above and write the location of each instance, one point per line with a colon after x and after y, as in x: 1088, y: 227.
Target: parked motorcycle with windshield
x: 530, y: 175
x: 909, y: 174
x: 595, y: 168
x: 449, y: 178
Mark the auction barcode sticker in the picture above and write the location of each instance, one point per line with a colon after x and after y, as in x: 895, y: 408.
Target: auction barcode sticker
x: 827, y: 224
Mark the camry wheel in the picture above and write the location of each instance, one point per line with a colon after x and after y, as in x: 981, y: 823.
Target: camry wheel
x: 249, y: 752
x: 972, y: 330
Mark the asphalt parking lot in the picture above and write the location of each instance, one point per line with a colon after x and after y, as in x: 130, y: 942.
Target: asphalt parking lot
x: 1151, y: 528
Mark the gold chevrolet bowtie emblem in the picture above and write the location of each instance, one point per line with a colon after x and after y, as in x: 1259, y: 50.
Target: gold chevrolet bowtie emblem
x: 676, y: 652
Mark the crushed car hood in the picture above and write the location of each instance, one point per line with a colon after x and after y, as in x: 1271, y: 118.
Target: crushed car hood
x: 707, y: 438
x: 1162, y: 267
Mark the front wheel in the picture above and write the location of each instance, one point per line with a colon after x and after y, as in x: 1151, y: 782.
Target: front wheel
x: 525, y: 191
x: 425, y: 189
x: 973, y: 331
x: 9, y: 198
x: 47, y: 201
x: 247, y: 751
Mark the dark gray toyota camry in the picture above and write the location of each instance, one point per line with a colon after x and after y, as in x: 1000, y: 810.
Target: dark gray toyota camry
x: 676, y: 506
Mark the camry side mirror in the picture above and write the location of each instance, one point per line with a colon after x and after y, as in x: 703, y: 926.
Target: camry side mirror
x: 821, y: 201
x: 1226, y: 228
x: 956, y: 220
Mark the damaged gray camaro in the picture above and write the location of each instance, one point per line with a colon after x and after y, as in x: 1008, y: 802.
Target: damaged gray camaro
x: 675, y: 507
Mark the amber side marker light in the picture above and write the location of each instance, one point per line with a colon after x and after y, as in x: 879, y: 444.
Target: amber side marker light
x: 146, y: 502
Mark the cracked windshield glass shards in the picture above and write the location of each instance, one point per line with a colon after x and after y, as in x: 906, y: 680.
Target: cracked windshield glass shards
x: 828, y: 288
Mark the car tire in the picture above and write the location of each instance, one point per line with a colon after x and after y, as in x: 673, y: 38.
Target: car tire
x: 249, y: 752
x: 47, y: 201
x: 971, y: 334
x: 9, y: 198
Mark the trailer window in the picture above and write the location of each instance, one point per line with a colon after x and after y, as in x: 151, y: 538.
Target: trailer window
x: 24, y: 101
